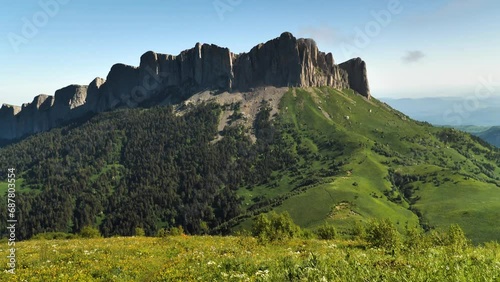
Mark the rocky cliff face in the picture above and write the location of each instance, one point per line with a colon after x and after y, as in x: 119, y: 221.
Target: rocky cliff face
x: 281, y: 62
x: 356, y: 73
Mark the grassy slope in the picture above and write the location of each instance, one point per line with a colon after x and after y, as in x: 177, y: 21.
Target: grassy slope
x: 241, y: 259
x: 358, y: 193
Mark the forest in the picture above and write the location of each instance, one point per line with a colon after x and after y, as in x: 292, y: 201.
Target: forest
x: 141, y: 168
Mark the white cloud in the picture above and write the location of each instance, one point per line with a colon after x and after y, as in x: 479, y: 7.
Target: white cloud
x: 413, y: 57
x: 325, y: 34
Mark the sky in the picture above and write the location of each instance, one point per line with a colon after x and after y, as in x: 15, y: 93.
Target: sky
x: 413, y: 48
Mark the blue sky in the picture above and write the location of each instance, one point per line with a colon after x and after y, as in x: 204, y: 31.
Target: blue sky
x: 412, y: 47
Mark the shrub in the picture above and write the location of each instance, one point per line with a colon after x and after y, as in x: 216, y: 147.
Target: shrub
x: 308, y: 234
x: 438, y: 238
x: 358, y: 231
x: 172, y: 231
x: 90, y: 232
x: 326, y: 232
x: 383, y: 234
x: 275, y: 227
x: 53, y: 236
x: 162, y: 232
x: 140, y: 232
x: 176, y: 231
x: 456, y: 238
x: 415, y: 240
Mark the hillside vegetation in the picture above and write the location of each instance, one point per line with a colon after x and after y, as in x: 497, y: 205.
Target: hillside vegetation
x: 492, y: 135
x: 209, y: 258
x: 328, y: 156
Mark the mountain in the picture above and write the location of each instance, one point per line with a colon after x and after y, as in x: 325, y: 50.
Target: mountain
x: 452, y: 111
x: 212, y: 158
x: 492, y: 135
x: 489, y: 134
x: 166, y: 79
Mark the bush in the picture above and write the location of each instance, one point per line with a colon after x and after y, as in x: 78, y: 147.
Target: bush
x: 383, y: 234
x: 358, y: 231
x: 162, y: 232
x: 326, y: 232
x: 275, y: 227
x: 90, y: 232
x: 176, y: 231
x: 438, y: 238
x: 140, y: 232
x: 416, y: 241
x: 456, y: 238
x: 172, y: 231
x: 53, y: 236
x: 308, y: 234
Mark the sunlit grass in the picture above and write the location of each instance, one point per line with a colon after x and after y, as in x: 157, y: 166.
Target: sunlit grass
x: 203, y: 258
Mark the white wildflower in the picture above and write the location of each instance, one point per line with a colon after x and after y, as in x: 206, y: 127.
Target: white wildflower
x: 262, y: 273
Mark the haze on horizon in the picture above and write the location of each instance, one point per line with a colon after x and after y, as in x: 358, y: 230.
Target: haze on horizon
x: 412, y: 48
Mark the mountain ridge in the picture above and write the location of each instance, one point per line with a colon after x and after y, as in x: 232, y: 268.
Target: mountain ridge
x: 281, y: 62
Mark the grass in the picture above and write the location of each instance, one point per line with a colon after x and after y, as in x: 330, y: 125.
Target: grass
x: 20, y: 187
x: 106, y: 169
x: 470, y: 203
x: 365, y: 201
x: 203, y: 258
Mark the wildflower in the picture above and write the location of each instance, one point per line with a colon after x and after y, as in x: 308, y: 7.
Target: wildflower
x: 262, y: 273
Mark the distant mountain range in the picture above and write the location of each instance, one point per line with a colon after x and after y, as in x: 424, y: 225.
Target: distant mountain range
x: 480, y: 117
x: 453, y: 111
x: 491, y: 135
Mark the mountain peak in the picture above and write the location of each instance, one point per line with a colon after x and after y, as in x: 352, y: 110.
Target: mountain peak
x: 287, y: 35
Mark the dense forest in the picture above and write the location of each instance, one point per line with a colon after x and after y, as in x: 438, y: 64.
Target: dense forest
x: 147, y: 168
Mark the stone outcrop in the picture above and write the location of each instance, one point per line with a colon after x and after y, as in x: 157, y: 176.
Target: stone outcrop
x: 281, y: 62
x: 94, y: 96
x: 34, y: 116
x: 8, y: 121
x: 287, y: 61
x: 358, y: 79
